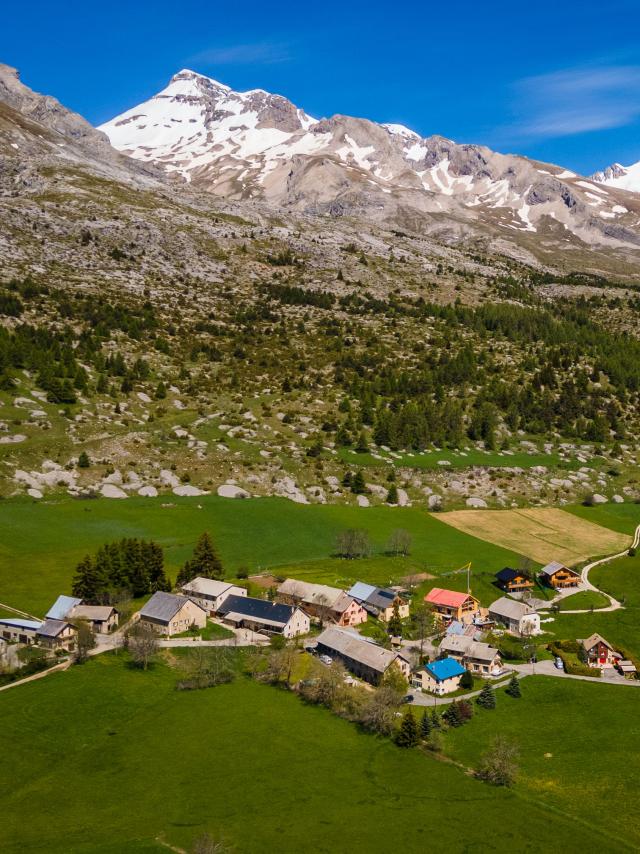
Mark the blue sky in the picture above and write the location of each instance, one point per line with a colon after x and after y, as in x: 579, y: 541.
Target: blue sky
x: 559, y: 81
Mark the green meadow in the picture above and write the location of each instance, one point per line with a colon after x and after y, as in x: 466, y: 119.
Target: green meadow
x: 109, y: 759
x: 579, y: 747
x: 621, y: 579
x: 41, y: 543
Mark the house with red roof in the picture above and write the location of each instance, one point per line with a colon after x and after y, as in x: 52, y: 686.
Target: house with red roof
x: 451, y: 605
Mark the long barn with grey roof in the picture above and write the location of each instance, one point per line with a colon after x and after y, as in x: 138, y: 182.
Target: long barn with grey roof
x: 363, y: 657
x: 262, y: 615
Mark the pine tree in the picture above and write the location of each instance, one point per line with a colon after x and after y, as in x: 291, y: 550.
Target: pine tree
x: 204, y: 563
x: 435, y: 720
x: 86, y: 581
x: 513, y: 688
x: 392, y: 495
x: 452, y: 715
x: 83, y: 460
x: 407, y: 735
x: 426, y: 727
x: 358, y: 486
x: 487, y: 699
x: 362, y: 447
x: 395, y: 623
x: 466, y: 680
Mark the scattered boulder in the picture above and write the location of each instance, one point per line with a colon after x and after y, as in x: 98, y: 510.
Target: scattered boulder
x: 476, y: 503
x: 229, y: 490
x: 109, y: 490
x: 188, y: 491
x: 148, y: 491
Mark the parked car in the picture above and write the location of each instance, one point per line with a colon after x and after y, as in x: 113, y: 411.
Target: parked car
x: 408, y: 698
x: 559, y: 663
x: 326, y: 659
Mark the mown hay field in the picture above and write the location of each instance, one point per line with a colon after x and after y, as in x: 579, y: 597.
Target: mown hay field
x: 542, y: 534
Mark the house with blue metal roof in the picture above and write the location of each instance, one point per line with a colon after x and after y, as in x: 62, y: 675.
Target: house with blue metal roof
x: 439, y: 677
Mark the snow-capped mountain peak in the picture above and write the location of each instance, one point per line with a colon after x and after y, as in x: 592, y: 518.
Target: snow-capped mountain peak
x: 622, y: 177
x: 257, y: 145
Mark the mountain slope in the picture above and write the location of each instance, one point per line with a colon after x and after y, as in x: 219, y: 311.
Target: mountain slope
x: 258, y: 145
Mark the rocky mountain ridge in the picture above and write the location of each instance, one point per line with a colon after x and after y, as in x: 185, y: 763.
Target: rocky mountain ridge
x: 255, y: 145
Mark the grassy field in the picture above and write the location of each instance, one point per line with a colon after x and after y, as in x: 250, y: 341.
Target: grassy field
x: 138, y: 762
x: 595, y: 760
x: 618, y: 517
x: 41, y: 543
x: 621, y: 579
x: 583, y: 599
x: 543, y: 534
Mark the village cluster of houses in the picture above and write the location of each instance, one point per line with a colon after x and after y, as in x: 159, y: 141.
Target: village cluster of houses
x: 58, y: 629
x: 461, y: 621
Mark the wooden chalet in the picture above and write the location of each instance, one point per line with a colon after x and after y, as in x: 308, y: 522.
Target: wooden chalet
x: 558, y: 576
x: 513, y: 581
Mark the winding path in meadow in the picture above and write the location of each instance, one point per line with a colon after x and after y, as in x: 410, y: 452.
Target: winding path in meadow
x: 614, y: 605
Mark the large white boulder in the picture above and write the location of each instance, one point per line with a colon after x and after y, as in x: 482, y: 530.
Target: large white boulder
x: 476, y: 503
x: 109, y: 490
x: 230, y: 490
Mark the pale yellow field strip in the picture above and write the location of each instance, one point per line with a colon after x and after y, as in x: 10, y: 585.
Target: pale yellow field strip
x: 542, y: 534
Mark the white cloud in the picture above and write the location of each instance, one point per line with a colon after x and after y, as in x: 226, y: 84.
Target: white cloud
x: 262, y: 53
x: 576, y: 100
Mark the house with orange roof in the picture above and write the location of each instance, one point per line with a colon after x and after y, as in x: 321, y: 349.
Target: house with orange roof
x: 451, y: 605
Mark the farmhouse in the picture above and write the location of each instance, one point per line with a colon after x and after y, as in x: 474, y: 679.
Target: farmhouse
x: 325, y: 604
x: 378, y: 601
x: 513, y: 581
x: 169, y: 614
x: 363, y: 657
x: 450, y: 605
x: 439, y: 677
x: 478, y: 657
x: 517, y: 617
x: 210, y: 593
x: 102, y: 618
x: 558, y: 576
x: 3, y: 652
x: 56, y: 634
x: 19, y: 630
x: 260, y: 615
x: 597, y: 652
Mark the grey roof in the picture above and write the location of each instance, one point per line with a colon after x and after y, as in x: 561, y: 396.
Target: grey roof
x: 377, y: 598
x: 52, y: 628
x: 273, y: 613
x: 358, y: 649
x: 510, y: 609
x: 206, y: 587
x: 61, y: 607
x: 315, y: 594
x: 163, y: 607
x: 553, y: 567
x: 95, y: 613
x: 468, y: 647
